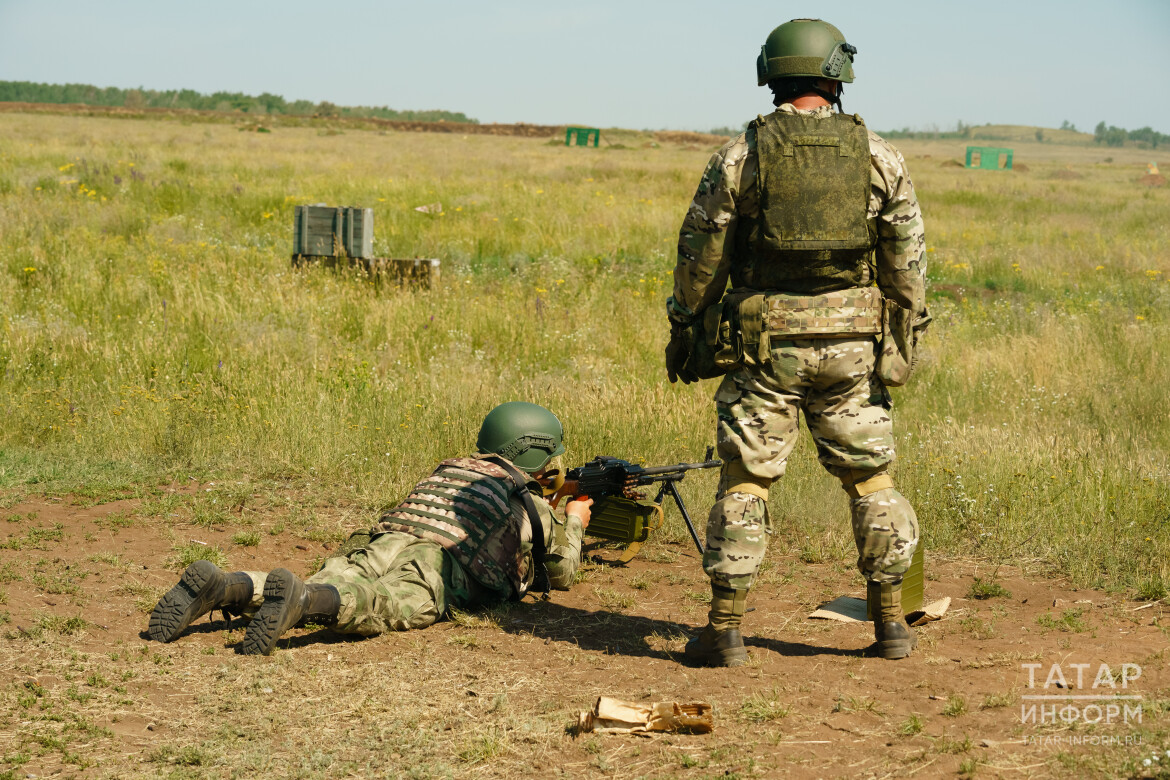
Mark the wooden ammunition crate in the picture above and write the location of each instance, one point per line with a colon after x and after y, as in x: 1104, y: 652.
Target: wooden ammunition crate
x: 327, y: 231
x: 357, y: 232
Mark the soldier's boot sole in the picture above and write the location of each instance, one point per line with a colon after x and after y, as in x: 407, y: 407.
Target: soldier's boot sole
x: 283, y: 607
x: 198, y: 591
x: 895, y: 641
x: 716, y: 648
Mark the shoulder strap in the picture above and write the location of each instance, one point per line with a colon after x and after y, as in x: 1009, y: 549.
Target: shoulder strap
x: 540, y: 579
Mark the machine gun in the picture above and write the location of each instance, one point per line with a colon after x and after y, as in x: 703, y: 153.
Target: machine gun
x: 622, y: 513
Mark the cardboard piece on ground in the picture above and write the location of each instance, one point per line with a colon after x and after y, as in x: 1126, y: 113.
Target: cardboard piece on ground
x: 930, y: 613
x: 612, y: 716
x: 844, y: 609
x: 847, y: 609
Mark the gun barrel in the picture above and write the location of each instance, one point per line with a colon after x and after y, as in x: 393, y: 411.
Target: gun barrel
x: 656, y: 470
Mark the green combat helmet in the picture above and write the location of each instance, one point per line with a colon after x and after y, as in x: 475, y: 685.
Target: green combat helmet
x: 808, y: 48
x: 526, y: 434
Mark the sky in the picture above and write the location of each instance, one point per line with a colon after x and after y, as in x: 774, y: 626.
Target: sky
x: 643, y: 64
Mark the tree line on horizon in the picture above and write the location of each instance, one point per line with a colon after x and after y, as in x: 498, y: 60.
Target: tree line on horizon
x: 263, y: 104
x: 1116, y: 136
x: 1109, y: 135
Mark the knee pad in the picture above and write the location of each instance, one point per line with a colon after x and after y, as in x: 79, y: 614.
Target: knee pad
x: 859, y: 484
x: 735, y: 478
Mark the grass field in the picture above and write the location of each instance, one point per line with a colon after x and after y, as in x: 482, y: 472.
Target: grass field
x: 154, y: 336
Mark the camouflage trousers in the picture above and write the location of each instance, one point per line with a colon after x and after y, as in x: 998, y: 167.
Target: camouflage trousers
x: 846, y: 409
x: 394, y: 583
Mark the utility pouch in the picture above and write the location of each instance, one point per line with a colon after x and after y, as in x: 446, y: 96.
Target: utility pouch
x: 712, y: 351
x: 896, y: 358
x: 755, y: 346
x: 719, y: 325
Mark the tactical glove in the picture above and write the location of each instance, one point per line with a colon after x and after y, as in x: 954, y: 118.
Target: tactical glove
x: 678, y: 350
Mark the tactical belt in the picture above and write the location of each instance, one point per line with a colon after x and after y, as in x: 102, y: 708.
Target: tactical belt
x: 540, y: 579
x: 857, y: 310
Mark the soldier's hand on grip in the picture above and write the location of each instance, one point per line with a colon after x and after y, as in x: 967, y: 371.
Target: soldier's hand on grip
x: 581, y: 509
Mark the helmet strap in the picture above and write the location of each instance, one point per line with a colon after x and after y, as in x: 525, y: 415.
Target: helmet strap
x: 829, y: 96
x: 785, y: 90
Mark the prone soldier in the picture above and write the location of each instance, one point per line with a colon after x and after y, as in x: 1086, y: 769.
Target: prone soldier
x: 475, y: 532
x: 814, y: 220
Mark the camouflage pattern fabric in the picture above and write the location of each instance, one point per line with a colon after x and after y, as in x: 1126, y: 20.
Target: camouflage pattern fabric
x: 857, y: 310
x: 728, y: 190
x: 398, y: 581
x: 737, y: 538
x: 470, y: 507
x: 827, y: 376
x: 831, y: 381
x: 395, y: 583
x: 885, y: 529
x: 463, y: 507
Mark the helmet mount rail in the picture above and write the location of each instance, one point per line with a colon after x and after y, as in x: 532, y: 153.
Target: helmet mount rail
x: 836, y: 62
x: 519, y: 446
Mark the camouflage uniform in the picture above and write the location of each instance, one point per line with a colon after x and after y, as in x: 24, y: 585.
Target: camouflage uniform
x: 400, y: 580
x: 814, y: 366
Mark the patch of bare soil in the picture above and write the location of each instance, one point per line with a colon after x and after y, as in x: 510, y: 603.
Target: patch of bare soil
x: 951, y: 164
x: 495, y: 693
x: 460, y: 128
x: 1020, y: 167
x: 1153, y: 180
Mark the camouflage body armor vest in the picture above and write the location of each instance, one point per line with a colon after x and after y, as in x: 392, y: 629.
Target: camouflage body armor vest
x: 811, y: 235
x: 463, y: 506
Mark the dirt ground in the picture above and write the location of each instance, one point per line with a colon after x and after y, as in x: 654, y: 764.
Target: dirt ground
x: 496, y: 694
x: 407, y: 126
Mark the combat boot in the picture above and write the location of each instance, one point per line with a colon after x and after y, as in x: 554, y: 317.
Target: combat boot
x: 893, y: 638
x: 202, y: 588
x: 288, y: 601
x: 720, y: 643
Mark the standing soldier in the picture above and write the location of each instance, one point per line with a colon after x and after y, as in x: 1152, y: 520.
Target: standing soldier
x: 814, y: 219
x: 475, y: 532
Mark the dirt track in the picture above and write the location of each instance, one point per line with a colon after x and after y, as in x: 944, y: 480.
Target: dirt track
x: 810, y: 702
x: 277, y: 120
